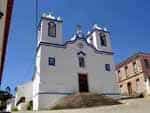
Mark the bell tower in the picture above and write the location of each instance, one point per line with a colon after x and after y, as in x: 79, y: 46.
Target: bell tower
x: 100, y: 38
x: 50, y: 29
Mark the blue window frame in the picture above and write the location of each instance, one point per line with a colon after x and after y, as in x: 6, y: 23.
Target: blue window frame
x: 107, y: 67
x: 51, y: 61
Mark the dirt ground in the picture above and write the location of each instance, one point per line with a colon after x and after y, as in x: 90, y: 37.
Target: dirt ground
x: 129, y: 106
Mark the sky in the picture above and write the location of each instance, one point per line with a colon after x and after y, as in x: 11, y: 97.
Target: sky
x: 127, y: 21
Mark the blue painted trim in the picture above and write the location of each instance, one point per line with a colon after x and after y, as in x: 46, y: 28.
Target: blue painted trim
x: 71, y: 42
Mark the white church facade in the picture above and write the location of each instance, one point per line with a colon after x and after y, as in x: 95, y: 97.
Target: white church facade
x: 82, y: 64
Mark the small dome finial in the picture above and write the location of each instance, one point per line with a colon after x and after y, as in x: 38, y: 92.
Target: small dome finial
x: 95, y: 26
x: 49, y: 15
x: 59, y: 18
x: 105, y: 29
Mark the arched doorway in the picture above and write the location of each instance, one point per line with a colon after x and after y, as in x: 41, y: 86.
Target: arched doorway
x: 129, y: 86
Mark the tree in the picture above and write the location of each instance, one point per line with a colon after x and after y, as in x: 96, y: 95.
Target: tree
x: 8, y: 89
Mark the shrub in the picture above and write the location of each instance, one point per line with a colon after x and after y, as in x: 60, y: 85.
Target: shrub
x: 15, y: 109
x: 30, y: 105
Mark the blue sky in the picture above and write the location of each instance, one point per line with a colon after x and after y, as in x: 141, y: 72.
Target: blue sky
x: 127, y: 20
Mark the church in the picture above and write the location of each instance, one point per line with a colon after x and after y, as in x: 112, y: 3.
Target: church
x: 82, y: 64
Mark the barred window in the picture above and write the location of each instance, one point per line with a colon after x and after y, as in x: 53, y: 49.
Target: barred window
x: 135, y: 67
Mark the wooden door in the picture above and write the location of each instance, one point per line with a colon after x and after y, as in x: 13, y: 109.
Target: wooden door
x: 83, y: 83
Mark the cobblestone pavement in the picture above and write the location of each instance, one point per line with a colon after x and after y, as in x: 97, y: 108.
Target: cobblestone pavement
x: 129, y: 106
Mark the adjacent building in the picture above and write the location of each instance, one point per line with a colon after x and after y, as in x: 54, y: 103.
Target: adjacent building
x: 133, y: 75
x: 5, y: 18
x: 23, y: 95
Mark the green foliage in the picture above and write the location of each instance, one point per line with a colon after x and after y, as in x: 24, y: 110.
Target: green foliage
x: 8, y: 89
x: 30, y: 105
x: 4, y: 96
x: 15, y: 109
x: 2, y: 105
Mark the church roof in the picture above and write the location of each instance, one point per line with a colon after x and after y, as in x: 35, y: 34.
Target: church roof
x: 73, y: 41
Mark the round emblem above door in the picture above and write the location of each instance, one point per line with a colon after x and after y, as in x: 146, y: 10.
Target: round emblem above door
x: 80, y: 45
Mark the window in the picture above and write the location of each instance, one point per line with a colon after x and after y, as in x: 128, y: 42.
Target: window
x: 51, y: 61
x: 91, y: 39
x: 103, y: 39
x: 146, y: 62
x: 51, y: 29
x: 81, y: 62
x: 149, y: 79
x: 126, y: 70
x: 137, y: 80
x: 121, y: 86
x: 135, y: 68
x: 1, y: 14
x: 137, y: 85
x: 118, y: 72
x: 119, y: 76
x: 107, y: 67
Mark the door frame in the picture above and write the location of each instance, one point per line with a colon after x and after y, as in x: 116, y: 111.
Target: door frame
x: 129, y: 87
x: 86, y: 83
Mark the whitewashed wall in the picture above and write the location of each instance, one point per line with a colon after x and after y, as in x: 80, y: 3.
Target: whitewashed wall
x: 24, y: 90
x: 63, y: 77
x: 36, y: 81
x: 53, y: 82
